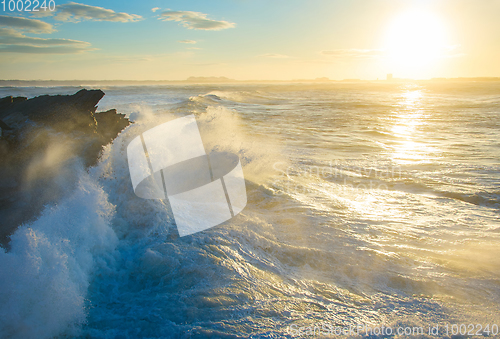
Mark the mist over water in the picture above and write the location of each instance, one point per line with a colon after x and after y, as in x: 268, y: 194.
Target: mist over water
x: 367, y: 204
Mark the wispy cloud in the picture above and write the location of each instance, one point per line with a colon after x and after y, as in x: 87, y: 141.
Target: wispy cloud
x: 154, y: 9
x: 187, y: 41
x: 40, y: 49
x: 75, y: 12
x: 445, y: 52
x: 274, y: 55
x: 13, y: 39
x: 453, y: 51
x: 195, y: 20
x: 24, y: 24
x: 354, y: 53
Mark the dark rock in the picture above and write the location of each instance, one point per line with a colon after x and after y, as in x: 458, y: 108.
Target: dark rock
x: 110, y: 118
x: 4, y: 126
x: 7, y: 101
x: 42, y: 141
x: 63, y: 112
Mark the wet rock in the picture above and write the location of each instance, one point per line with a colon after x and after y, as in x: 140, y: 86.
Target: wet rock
x: 43, y: 141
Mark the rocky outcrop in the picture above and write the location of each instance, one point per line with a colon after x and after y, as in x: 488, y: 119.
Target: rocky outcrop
x: 42, y: 141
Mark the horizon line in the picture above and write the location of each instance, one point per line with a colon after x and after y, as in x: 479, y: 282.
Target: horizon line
x: 221, y: 79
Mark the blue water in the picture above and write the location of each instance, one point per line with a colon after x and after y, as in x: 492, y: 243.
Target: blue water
x: 368, y: 203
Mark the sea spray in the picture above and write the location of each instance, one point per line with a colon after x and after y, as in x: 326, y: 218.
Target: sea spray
x: 413, y: 255
x: 45, y: 276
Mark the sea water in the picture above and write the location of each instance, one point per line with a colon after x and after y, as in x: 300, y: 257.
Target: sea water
x: 369, y: 205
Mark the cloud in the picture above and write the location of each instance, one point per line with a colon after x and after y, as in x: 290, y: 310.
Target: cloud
x: 187, y: 41
x: 12, y: 37
x: 195, y: 20
x: 76, y: 12
x: 40, y: 49
x: 24, y: 24
x: 453, y: 51
x: 155, y: 9
x: 354, y: 53
x: 274, y: 55
x: 8, y: 32
x: 13, y: 41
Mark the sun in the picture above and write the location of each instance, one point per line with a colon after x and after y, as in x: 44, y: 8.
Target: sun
x: 415, y: 40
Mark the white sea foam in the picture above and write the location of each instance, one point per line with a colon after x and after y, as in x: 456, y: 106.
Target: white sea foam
x: 422, y: 249
x: 45, y: 275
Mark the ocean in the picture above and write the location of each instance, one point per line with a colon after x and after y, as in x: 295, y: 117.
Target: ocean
x: 371, y: 206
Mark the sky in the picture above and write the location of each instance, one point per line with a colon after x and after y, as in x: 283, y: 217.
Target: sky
x: 249, y: 39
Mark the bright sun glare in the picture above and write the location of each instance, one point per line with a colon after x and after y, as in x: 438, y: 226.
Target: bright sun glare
x: 415, y: 40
